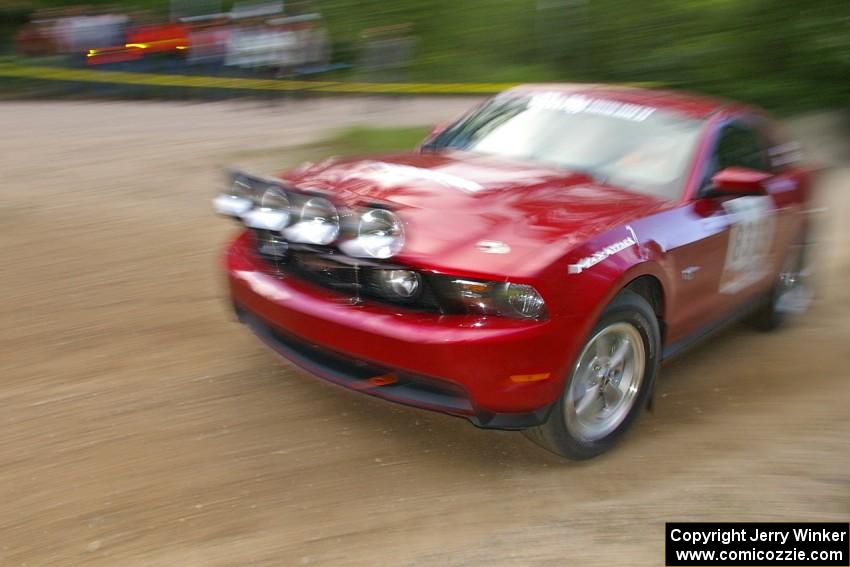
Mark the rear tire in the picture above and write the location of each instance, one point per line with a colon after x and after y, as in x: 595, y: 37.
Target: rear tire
x: 608, y: 384
x: 792, y: 292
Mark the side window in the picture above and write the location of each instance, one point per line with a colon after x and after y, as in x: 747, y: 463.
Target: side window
x: 737, y: 145
x: 740, y: 146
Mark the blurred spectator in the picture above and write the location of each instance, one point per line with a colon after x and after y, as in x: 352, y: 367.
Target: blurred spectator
x: 306, y: 47
x: 38, y: 37
x: 208, y: 42
x: 251, y: 45
x: 256, y: 37
x: 283, y: 44
x: 387, y: 51
x: 78, y: 32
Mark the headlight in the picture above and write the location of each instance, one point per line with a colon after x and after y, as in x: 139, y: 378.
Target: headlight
x: 380, y: 234
x: 398, y: 284
x: 273, y: 212
x: 318, y: 223
x: 500, y: 298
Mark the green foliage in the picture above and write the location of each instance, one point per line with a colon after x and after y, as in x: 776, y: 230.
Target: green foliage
x: 783, y: 54
x: 366, y: 140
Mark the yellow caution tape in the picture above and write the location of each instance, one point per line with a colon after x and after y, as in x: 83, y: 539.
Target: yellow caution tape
x: 196, y: 81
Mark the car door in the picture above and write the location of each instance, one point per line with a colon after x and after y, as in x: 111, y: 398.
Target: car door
x: 751, y: 220
x: 725, y: 256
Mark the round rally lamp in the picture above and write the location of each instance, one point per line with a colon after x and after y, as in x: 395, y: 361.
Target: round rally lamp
x: 272, y: 212
x: 318, y: 223
x: 380, y: 234
x: 274, y: 198
x: 240, y: 188
x: 236, y: 200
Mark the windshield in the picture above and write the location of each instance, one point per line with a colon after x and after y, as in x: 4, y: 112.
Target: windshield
x: 633, y: 146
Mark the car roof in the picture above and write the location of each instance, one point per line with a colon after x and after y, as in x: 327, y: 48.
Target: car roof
x: 692, y: 105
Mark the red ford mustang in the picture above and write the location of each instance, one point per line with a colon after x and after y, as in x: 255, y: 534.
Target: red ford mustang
x: 532, y: 264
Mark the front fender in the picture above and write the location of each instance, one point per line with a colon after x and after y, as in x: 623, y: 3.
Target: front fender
x: 577, y: 297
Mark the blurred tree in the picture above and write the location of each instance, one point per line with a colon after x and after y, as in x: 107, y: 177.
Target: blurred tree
x: 781, y: 53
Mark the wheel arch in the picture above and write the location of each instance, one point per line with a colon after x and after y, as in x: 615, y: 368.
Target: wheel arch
x: 648, y: 280
x: 649, y: 287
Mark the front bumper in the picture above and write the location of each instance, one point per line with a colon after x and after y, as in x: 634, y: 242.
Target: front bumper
x: 460, y: 365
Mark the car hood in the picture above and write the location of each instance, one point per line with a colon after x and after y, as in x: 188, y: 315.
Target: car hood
x: 451, y: 202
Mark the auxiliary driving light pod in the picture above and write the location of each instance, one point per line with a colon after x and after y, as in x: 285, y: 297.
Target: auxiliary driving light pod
x: 380, y: 234
x: 235, y: 201
x: 318, y: 223
x: 273, y: 212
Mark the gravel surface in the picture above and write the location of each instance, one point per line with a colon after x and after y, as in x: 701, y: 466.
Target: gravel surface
x: 143, y: 426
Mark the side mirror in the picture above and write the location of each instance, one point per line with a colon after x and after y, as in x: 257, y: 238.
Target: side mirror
x: 739, y: 181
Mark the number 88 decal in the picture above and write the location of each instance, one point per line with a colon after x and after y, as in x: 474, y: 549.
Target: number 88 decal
x: 750, y: 239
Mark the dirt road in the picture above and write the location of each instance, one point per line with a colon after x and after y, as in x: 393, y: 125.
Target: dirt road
x: 142, y: 426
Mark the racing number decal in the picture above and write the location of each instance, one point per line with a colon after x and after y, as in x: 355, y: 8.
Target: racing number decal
x: 750, y: 240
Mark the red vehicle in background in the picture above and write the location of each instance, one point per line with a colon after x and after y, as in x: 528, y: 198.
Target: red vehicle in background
x: 158, y: 38
x: 531, y: 265
x: 142, y: 41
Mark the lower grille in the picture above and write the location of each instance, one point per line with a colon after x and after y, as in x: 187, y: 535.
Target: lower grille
x: 359, y: 375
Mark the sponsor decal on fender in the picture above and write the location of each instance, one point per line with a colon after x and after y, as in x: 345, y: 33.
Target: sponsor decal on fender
x: 596, y: 257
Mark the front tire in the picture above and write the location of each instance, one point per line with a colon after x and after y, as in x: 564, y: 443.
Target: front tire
x: 609, y: 382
